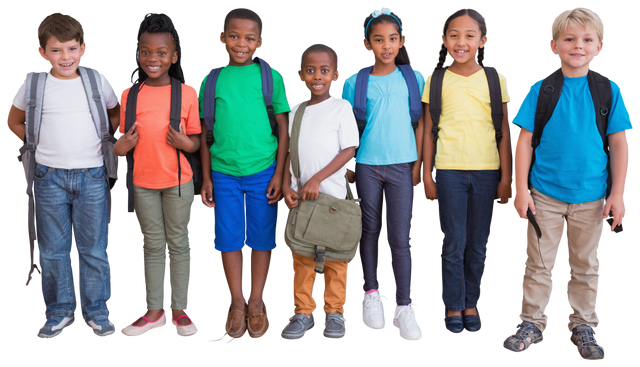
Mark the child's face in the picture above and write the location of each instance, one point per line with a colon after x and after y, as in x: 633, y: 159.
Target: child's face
x: 463, y: 39
x: 576, y: 48
x: 385, y: 42
x: 318, y: 71
x: 241, y: 39
x: 157, y: 53
x: 63, y: 56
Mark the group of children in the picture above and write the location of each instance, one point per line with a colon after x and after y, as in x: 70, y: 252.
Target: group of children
x: 460, y: 127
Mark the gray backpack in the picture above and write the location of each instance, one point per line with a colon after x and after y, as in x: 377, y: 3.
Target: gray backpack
x: 34, y: 95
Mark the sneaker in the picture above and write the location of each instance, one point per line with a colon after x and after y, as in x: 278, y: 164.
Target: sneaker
x: 54, y: 325
x: 526, y: 335
x: 101, y: 325
x: 405, y: 319
x: 185, y: 330
x: 582, y: 336
x: 334, y: 325
x: 372, y: 312
x: 298, y: 325
x: 133, y: 330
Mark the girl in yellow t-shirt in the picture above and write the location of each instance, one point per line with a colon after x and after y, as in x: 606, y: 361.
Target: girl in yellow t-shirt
x: 472, y: 170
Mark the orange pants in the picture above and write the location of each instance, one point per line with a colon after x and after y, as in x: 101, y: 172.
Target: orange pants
x: 335, y: 285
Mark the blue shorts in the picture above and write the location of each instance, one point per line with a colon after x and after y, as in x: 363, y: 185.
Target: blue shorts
x: 231, y: 194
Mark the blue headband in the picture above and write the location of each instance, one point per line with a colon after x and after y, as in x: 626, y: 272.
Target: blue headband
x: 377, y: 13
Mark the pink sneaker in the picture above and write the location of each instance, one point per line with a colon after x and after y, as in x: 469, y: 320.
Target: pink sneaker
x: 185, y: 330
x: 133, y: 330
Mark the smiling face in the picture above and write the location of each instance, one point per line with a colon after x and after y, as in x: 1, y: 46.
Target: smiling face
x: 318, y: 71
x: 385, y: 42
x: 157, y: 52
x: 63, y: 56
x: 576, y: 47
x: 241, y: 39
x: 463, y: 38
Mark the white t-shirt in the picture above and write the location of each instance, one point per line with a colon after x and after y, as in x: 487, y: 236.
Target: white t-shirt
x: 68, y: 136
x: 327, y: 128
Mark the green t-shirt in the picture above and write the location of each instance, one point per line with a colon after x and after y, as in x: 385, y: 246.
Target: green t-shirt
x: 243, y: 141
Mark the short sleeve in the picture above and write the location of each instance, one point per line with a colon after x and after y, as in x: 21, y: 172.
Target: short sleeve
x: 19, y: 100
x: 348, y: 91
x: 503, y: 89
x: 527, y: 113
x: 192, y: 120
x: 348, y: 130
x: 426, y: 89
x: 619, y: 116
x: 110, y: 98
x: 201, y: 96
x: 420, y: 79
x: 280, y: 103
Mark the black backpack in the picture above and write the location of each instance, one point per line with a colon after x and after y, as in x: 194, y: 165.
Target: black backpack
x: 435, y: 104
x: 176, y: 106
x: 600, y: 87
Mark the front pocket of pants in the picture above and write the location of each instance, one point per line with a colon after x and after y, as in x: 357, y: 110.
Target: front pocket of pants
x: 41, y: 173
x: 96, y: 173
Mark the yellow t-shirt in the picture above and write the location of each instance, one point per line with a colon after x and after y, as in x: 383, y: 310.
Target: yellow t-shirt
x: 466, y: 139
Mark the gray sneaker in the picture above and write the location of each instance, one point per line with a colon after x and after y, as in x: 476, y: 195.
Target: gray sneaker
x: 334, y: 325
x: 298, y: 325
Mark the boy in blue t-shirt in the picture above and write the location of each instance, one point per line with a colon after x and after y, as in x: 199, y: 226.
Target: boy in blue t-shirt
x: 244, y: 167
x: 70, y: 185
x: 568, y: 183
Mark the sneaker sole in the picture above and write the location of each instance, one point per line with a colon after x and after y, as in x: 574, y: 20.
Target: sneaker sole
x: 333, y: 335
x: 47, y: 336
x: 43, y: 337
x: 404, y: 336
x: 297, y: 336
x: 510, y: 347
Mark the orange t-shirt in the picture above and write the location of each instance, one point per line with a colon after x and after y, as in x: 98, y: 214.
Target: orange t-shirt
x: 156, y: 162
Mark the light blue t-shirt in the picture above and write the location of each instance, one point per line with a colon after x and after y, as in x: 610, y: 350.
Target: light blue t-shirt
x: 571, y: 165
x: 388, y: 137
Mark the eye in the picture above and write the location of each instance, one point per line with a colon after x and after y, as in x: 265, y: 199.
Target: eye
x: 394, y: 38
x: 588, y: 40
x: 233, y: 36
x: 73, y: 48
x: 309, y: 71
x: 144, y: 52
x: 569, y: 39
x: 162, y: 53
x: 249, y: 39
x: 324, y: 71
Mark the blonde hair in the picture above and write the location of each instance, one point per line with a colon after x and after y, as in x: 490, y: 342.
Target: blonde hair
x: 581, y: 17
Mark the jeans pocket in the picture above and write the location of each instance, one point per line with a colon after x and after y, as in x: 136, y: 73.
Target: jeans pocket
x: 95, y: 173
x: 41, y: 173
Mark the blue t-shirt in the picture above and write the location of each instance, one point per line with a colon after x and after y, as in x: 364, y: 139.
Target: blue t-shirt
x: 388, y: 137
x: 571, y: 165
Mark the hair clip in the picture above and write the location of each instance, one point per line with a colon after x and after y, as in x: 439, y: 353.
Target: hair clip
x: 377, y: 13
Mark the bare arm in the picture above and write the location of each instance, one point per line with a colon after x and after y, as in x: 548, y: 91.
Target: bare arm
x: 504, y: 186
x: 311, y: 188
x: 290, y: 195
x: 619, y: 155
x: 428, y: 151
x: 114, y: 116
x: 205, y: 156
x: 523, y: 200
x: 417, y: 165
x: 16, y: 121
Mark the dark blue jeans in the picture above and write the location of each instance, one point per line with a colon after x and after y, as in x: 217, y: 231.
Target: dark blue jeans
x: 466, y: 205
x: 396, y: 181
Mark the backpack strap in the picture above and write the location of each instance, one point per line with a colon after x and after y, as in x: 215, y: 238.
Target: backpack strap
x: 267, y: 93
x: 600, y: 88
x: 293, y: 142
x: 360, y: 98
x: 174, y: 120
x: 414, y: 94
x: 435, y: 107
x: 209, y: 111
x: 129, y: 119
x: 495, y: 95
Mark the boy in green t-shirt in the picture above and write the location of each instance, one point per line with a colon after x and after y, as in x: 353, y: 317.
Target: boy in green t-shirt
x: 245, y: 163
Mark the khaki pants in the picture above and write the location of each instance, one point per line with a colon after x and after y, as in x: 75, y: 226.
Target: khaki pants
x: 584, y: 227
x: 335, y: 285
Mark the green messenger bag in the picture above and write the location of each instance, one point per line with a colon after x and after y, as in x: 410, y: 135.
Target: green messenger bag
x: 325, y: 229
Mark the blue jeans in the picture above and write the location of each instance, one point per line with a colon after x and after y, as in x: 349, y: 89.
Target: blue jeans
x: 396, y: 181
x: 466, y: 205
x: 78, y: 199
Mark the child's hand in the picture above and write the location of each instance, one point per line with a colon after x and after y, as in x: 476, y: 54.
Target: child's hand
x: 430, y: 189
x: 503, y: 193
x: 310, y: 189
x: 615, y: 205
x: 127, y: 141
x: 523, y: 202
x: 274, y: 191
x: 207, y: 193
x: 178, y: 139
x: 351, y: 176
x: 416, y: 173
x: 290, y: 197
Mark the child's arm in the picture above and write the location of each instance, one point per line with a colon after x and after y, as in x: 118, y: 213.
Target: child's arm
x: 127, y: 141
x: 311, y: 188
x: 419, y: 139
x: 182, y: 141
x: 524, y: 151
x: 619, y: 155
x: 428, y: 149
x: 114, y: 116
x: 290, y: 195
x: 205, y: 156
x: 274, y: 191
x: 503, y: 193
x: 16, y: 120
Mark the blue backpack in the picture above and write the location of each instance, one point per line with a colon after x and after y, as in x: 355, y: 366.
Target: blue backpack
x: 210, y: 98
x: 360, y: 96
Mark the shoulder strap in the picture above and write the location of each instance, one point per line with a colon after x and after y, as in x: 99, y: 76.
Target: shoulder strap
x: 414, y: 93
x: 209, y: 111
x: 600, y: 88
x: 267, y: 93
x: 360, y: 98
x: 293, y: 142
x: 129, y: 119
x: 435, y: 107
x: 495, y: 95
x: 174, y: 119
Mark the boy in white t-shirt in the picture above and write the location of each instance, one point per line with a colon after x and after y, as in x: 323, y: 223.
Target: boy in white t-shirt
x: 328, y: 138
x: 70, y: 185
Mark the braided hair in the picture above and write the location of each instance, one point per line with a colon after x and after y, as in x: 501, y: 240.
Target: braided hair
x: 370, y: 22
x: 483, y: 31
x: 159, y: 23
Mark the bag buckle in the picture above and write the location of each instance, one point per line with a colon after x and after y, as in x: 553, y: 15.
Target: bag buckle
x: 319, y: 256
x: 333, y: 211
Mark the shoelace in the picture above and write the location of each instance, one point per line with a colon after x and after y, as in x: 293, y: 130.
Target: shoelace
x: 336, y: 319
x: 373, y: 303
x: 586, y: 336
x: 407, y: 319
x: 524, y: 329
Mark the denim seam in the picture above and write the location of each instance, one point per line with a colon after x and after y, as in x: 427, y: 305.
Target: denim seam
x: 90, y: 316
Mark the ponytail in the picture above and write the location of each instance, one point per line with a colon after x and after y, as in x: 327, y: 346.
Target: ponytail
x: 443, y: 56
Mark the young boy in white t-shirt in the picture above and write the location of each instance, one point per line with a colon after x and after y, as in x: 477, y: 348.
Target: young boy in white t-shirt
x: 328, y: 138
x: 70, y: 184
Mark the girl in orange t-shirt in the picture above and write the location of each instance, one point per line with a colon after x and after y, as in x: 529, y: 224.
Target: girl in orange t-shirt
x: 162, y: 192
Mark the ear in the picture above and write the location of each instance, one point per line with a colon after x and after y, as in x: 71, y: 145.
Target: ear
x: 42, y: 55
x: 301, y: 75
x: 599, y: 48
x: 335, y: 75
x: 483, y: 40
x: 82, y: 48
x: 222, y: 37
x: 174, y: 59
x: 554, y: 47
x: 367, y: 45
x: 259, y: 42
x: 401, y: 41
x: 444, y: 39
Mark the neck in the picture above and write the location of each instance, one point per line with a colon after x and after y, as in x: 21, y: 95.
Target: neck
x: 162, y: 81
x: 466, y: 69
x: 380, y: 69
x: 317, y: 99
x: 575, y: 73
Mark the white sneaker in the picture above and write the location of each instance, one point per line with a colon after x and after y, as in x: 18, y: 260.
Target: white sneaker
x: 372, y: 312
x: 405, y: 319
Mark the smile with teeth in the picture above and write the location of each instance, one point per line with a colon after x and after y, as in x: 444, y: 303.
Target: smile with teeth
x: 240, y: 53
x: 462, y: 52
x: 317, y: 86
x: 66, y: 65
x: 153, y: 68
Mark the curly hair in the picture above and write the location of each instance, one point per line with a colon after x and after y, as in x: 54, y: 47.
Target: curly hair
x: 404, y: 56
x: 442, y: 56
x: 157, y: 22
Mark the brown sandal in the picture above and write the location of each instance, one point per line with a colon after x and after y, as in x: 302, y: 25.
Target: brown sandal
x: 236, y: 322
x: 258, y: 323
